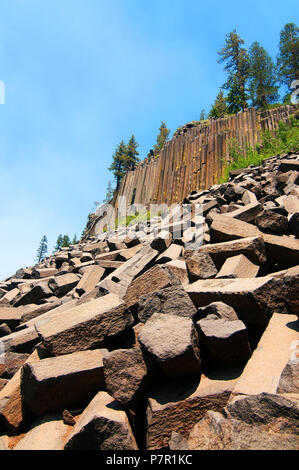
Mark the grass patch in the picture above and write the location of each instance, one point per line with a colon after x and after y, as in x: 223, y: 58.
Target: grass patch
x: 286, y: 139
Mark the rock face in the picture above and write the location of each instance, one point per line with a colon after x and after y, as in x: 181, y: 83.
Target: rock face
x: 145, y: 338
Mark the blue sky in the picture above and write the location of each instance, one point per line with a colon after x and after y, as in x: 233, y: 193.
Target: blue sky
x: 81, y: 75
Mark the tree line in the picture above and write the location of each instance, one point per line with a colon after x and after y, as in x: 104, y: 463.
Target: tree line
x: 61, y: 242
x: 253, y: 78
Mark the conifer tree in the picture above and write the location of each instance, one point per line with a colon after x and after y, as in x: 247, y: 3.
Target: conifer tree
x: 219, y: 108
x: 202, y: 115
x: 288, y: 57
x: 119, y: 162
x: 131, y: 155
x: 109, y: 193
x: 162, y: 137
x: 65, y: 241
x: 263, y: 87
x: 58, y: 243
x: 74, y: 240
x: 237, y: 65
x: 42, y: 249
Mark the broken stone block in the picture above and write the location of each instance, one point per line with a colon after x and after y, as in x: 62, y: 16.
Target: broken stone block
x: 226, y: 228
x: 3, y: 382
x: 289, y: 379
x: 249, y: 198
x: 282, y: 249
x: 172, y: 301
x: 61, y: 285
x: 172, y: 253
x: 199, y: 266
x: 272, y: 222
x: 263, y: 371
x: 22, y: 341
x: 10, y: 297
x: 253, y: 248
x: 10, y: 363
x: 173, y: 342
x: 177, y: 442
x: 12, y: 412
x: 116, y: 245
x: 254, y: 299
x: 179, y: 269
x: 247, y: 213
x: 294, y: 224
x: 102, y: 426
x: 219, y: 309
x: 4, y: 330
x: 223, y: 342
x: 48, y: 433
x: 86, y: 326
x: 11, y: 316
x: 57, y: 382
x: 288, y: 165
x: 177, y: 406
x: 155, y: 279
x: 238, y: 266
x: 38, y: 292
x: 126, y: 375
x: 264, y: 408
x: 89, y: 279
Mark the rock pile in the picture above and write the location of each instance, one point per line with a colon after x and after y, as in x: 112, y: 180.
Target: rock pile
x: 147, y: 341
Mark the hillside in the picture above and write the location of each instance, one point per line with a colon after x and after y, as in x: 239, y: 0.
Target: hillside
x: 179, y: 332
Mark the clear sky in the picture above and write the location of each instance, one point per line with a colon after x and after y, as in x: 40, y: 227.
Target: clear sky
x: 81, y: 75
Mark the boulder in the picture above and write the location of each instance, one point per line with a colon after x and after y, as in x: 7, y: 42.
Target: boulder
x: 61, y: 285
x: 126, y: 375
x: 102, y: 426
x: 200, y: 266
x: 86, y: 326
x: 289, y: 379
x: 264, y: 369
x: 151, y: 281
x: 57, y: 382
x: 219, y: 309
x: 255, y: 299
x: 253, y: 248
x: 171, y: 301
x: 173, y: 343
x: 272, y: 222
x: 224, y: 343
x: 89, y: 279
x: 178, y: 406
x: 238, y: 266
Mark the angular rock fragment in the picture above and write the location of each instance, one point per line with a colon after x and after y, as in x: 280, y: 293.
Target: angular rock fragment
x: 219, y: 309
x: 89, y: 279
x: 126, y: 374
x: 225, y: 228
x: 178, y: 406
x: 10, y: 363
x: 247, y: 213
x: 37, y: 293
x: 102, y: 426
x: 272, y: 222
x: 282, y: 249
x: 55, y: 383
x: 172, y: 341
x: 172, y: 301
x: 155, y: 279
x: 172, y: 253
x: 253, y: 248
x: 289, y: 379
x: 199, y: 266
x: 263, y: 371
x: 86, y: 326
x: 61, y: 285
x: 294, y: 224
x: 254, y: 299
x: 238, y: 266
x: 223, y: 342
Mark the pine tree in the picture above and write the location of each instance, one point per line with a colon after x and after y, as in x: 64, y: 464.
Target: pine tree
x: 109, y: 193
x: 263, y: 87
x: 162, y: 137
x: 74, y: 240
x: 65, y: 241
x: 42, y: 249
x: 58, y: 243
x: 131, y: 155
x: 219, y: 108
x: 202, y: 115
x: 119, y: 162
x: 237, y: 65
x: 288, y: 57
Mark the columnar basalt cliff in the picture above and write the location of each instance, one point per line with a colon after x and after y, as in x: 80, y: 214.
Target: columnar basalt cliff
x: 195, y: 157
